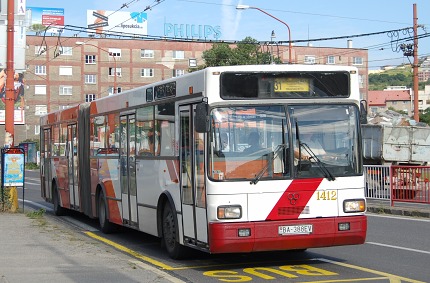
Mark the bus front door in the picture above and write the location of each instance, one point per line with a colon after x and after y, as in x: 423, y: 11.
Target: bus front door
x: 193, y: 189
x: 73, y: 166
x: 128, y: 170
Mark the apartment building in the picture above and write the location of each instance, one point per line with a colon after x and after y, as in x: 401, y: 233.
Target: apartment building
x: 64, y: 71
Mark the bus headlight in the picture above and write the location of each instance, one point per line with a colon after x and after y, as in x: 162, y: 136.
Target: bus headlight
x: 229, y: 212
x: 354, y: 205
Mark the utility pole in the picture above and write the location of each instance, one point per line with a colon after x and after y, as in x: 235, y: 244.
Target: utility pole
x: 415, y: 66
x: 10, y: 72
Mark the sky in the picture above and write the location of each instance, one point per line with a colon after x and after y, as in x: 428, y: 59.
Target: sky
x: 306, y: 19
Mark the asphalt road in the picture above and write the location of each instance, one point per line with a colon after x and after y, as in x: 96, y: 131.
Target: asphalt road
x: 397, y: 250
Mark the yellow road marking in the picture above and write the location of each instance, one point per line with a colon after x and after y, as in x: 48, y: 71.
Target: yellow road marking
x: 348, y: 280
x: 129, y: 251
x: 393, y: 278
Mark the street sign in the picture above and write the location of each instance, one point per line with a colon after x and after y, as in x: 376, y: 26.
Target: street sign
x: 100, y: 16
x: 98, y: 25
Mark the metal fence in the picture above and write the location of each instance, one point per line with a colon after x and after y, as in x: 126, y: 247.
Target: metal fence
x: 398, y: 183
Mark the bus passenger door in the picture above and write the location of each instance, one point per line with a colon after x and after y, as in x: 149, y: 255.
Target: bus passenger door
x: 46, y: 164
x: 73, y: 166
x: 193, y: 189
x: 128, y: 170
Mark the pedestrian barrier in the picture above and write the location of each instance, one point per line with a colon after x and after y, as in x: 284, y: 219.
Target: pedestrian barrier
x: 410, y: 184
x: 397, y: 183
x: 377, y: 181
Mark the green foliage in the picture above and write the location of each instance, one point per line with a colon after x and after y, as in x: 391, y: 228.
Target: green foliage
x: 247, y: 52
x: 396, y: 77
x: 36, y: 213
x: 5, y: 203
x: 37, y: 28
x: 398, y: 111
x: 31, y: 166
x: 425, y: 116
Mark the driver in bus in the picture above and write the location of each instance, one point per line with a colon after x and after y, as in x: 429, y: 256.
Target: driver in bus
x: 314, y: 145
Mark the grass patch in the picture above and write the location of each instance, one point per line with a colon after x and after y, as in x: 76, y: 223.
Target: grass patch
x: 36, y: 214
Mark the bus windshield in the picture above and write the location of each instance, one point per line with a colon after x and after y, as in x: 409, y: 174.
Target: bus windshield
x: 264, y: 142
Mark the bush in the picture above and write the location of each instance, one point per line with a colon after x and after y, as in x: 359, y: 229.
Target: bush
x: 31, y: 166
x: 5, y: 203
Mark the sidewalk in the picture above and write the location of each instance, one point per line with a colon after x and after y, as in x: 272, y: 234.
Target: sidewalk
x: 45, y: 250
x: 399, y: 208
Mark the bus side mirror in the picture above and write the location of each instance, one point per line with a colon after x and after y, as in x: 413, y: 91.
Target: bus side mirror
x: 363, y: 112
x: 201, y: 118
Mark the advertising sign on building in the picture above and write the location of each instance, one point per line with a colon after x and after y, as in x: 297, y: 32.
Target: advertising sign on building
x: 49, y: 17
x: 119, y: 22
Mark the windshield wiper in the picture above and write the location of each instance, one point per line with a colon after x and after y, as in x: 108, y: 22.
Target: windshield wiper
x: 264, y: 169
x: 320, y: 164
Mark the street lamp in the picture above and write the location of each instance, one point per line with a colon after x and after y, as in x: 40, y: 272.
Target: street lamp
x: 244, y: 7
x: 114, y: 60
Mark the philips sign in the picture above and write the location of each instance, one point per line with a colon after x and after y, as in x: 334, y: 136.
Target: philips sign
x: 192, y: 31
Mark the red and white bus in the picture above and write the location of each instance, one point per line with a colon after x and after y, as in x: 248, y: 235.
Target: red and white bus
x: 218, y: 160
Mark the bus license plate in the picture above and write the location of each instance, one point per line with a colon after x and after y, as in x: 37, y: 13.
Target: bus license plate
x: 295, y: 229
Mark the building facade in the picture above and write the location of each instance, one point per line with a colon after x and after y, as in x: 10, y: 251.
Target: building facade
x: 65, y: 71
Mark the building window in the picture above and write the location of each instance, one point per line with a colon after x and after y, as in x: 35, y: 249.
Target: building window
x: 147, y: 72
x: 90, y: 97
x: 177, y: 73
x: 115, y: 52
x: 178, y: 54
x: 361, y: 81
x: 40, y: 110
x: 112, y: 72
x: 40, y: 70
x: 309, y: 59
x: 66, y: 50
x: 146, y: 53
x: 66, y: 71
x: 192, y: 62
x: 357, y: 61
x: 90, y: 79
x: 65, y: 90
x: 118, y: 90
x: 40, y: 89
x: 37, y: 129
x: 39, y: 50
x: 331, y: 60
x: 90, y: 59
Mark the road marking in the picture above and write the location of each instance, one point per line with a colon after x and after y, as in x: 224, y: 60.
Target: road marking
x: 409, y: 218
x: 391, y: 277
x: 162, y: 274
x: 396, y: 247
x: 129, y: 251
x: 37, y: 204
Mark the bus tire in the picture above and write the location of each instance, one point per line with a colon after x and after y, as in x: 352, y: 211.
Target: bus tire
x: 171, y: 233
x: 105, y: 225
x: 58, y: 209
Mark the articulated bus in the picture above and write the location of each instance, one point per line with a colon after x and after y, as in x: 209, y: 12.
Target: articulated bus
x: 218, y: 160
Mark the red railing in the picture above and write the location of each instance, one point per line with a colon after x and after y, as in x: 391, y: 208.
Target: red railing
x: 410, y: 184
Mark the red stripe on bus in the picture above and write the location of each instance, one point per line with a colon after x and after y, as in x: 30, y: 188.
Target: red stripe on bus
x: 294, y: 200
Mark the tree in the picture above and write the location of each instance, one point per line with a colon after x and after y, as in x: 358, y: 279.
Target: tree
x: 37, y: 28
x: 247, y: 52
x: 425, y: 116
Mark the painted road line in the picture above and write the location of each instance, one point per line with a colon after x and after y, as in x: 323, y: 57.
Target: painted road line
x: 152, y: 269
x: 129, y: 251
x: 399, y: 248
x: 391, y: 277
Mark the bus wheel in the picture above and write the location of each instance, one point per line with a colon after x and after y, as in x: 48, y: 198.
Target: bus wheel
x: 58, y: 209
x: 171, y: 234
x: 105, y: 225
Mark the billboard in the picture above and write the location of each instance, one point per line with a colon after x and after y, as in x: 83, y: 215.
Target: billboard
x: 121, y: 22
x: 52, y: 17
x: 19, y: 84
